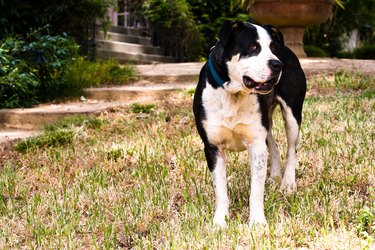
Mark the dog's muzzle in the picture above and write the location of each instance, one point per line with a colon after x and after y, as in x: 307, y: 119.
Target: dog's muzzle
x: 265, y: 87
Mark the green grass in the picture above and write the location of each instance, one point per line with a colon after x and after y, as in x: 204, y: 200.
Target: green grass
x: 143, y: 183
x: 84, y: 73
x: 142, y: 108
x: 60, y: 134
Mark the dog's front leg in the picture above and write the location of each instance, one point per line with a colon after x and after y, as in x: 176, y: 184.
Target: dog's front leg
x: 258, y: 163
x: 216, y: 162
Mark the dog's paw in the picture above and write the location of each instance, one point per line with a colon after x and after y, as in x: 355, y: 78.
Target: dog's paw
x: 257, y: 221
x: 221, y: 222
x: 220, y: 219
x: 275, y: 172
x: 288, y: 186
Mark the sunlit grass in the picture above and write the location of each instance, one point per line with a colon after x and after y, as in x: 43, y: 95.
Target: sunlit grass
x: 126, y: 180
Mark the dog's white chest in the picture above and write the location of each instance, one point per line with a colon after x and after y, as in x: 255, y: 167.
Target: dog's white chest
x: 232, y: 120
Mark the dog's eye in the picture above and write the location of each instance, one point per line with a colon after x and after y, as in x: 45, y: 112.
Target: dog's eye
x: 273, y: 47
x: 253, y: 46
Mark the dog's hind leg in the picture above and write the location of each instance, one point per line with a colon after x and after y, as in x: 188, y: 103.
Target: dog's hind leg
x: 217, y: 165
x: 273, y: 149
x: 292, y: 128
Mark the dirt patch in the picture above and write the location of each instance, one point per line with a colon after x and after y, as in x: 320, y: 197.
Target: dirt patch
x: 7, y: 151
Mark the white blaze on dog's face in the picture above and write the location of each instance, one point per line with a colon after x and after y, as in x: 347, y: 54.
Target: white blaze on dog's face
x: 253, y: 68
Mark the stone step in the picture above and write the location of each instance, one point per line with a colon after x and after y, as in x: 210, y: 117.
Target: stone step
x: 117, y: 37
x: 37, y: 117
x: 125, y: 31
x: 133, y: 93
x: 111, y: 97
x: 12, y: 134
x: 124, y: 57
x: 122, y: 47
x: 170, y: 72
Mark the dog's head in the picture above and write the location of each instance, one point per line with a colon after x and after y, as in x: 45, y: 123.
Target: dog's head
x: 248, y: 53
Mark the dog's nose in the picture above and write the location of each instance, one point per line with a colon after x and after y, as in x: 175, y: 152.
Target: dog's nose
x: 276, y: 65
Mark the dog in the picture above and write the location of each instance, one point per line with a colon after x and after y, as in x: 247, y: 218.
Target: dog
x: 249, y: 72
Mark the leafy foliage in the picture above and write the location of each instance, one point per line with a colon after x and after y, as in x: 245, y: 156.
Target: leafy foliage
x: 77, y: 18
x: 172, y: 25
x: 355, y: 15
x: 186, y: 29
x: 31, y: 67
x: 210, y: 15
x: 37, y: 68
x: 313, y: 51
x: 17, y: 88
x: 365, y: 52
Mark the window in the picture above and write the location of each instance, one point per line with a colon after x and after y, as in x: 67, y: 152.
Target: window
x: 124, y: 17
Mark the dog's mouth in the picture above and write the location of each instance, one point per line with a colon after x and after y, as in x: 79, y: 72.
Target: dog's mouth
x: 260, y: 87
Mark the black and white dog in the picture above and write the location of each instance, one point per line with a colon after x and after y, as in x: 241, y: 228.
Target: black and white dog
x: 248, y: 73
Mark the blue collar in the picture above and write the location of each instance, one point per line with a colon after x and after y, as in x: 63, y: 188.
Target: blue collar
x: 217, y: 78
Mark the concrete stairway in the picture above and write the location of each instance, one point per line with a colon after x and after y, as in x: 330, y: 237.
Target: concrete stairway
x: 125, y: 44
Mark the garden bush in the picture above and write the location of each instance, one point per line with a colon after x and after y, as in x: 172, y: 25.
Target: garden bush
x: 79, y: 19
x: 313, y: 51
x: 365, y: 52
x: 172, y: 24
x: 37, y: 68
x: 32, y: 66
x: 18, y: 88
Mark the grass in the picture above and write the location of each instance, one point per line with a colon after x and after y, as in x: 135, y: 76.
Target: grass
x: 60, y: 134
x: 142, y: 108
x: 126, y: 180
x: 83, y: 73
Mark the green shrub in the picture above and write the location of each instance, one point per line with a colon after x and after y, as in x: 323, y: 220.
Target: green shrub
x: 365, y: 52
x: 38, y: 68
x: 345, y: 54
x: 173, y: 24
x: 32, y: 66
x: 77, y: 18
x: 17, y: 87
x: 313, y: 51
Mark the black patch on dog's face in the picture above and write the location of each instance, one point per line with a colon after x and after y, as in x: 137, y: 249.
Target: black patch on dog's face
x: 242, y: 39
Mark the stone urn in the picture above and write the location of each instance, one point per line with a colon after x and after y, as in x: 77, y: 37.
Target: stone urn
x: 291, y: 17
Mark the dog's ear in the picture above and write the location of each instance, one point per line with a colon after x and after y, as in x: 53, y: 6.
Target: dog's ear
x: 276, y: 34
x: 226, y: 30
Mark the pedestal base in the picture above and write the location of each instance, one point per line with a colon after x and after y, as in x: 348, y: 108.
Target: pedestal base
x: 293, y: 38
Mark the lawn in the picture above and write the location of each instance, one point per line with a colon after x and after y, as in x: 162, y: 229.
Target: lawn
x: 136, y: 177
